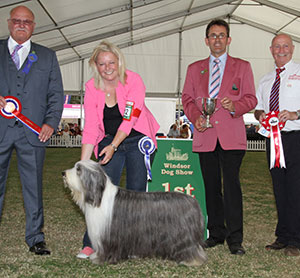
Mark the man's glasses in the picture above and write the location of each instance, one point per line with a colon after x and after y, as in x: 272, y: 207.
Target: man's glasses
x: 21, y: 22
x: 215, y: 36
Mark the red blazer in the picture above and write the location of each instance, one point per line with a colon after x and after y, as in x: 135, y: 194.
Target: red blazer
x: 238, y: 85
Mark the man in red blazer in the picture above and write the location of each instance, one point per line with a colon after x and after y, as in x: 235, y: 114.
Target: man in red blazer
x: 222, y: 147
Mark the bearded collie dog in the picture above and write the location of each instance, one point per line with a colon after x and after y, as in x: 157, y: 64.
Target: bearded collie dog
x: 124, y: 224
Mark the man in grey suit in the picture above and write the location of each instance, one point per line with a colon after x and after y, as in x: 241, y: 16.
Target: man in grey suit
x: 33, y: 76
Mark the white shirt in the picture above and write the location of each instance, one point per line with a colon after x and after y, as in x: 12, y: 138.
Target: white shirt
x: 23, y: 52
x: 289, y: 92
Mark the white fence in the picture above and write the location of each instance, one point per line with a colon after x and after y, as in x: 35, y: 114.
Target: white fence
x: 75, y: 141
x: 256, y: 145
x: 64, y: 141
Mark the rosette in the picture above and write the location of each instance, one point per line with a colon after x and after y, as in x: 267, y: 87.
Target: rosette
x: 13, y: 109
x: 147, y: 147
x: 272, y: 124
x: 32, y: 58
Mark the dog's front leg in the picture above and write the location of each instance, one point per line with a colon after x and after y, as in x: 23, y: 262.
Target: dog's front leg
x: 97, y: 258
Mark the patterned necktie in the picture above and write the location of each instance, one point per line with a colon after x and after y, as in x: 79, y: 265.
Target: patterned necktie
x: 15, y: 55
x: 274, y: 97
x: 215, y: 80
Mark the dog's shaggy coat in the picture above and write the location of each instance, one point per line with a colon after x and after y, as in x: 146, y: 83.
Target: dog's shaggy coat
x: 123, y: 224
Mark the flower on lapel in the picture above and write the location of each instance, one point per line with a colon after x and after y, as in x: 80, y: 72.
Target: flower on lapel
x: 203, y: 71
x: 234, y: 87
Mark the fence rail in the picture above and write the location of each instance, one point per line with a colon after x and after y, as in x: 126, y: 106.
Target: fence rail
x: 75, y: 141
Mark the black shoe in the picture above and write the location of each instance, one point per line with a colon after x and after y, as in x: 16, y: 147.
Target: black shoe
x: 210, y: 242
x: 40, y: 249
x: 276, y: 245
x: 237, y: 249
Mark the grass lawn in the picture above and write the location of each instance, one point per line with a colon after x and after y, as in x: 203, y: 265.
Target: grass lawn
x: 64, y: 228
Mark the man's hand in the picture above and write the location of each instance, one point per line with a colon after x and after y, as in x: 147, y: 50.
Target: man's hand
x: 285, y: 115
x: 200, y: 123
x: 228, y: 104
x: 46, y: 132
x: 2, y: 102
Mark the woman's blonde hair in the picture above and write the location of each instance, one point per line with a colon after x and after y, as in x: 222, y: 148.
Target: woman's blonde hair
x: 106, y: 46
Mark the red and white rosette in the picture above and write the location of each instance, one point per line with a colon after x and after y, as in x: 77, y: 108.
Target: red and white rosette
x: 13, y: 109
x: 272, y: 124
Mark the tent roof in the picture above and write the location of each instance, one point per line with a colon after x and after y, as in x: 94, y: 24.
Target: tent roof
x: 74, y: 27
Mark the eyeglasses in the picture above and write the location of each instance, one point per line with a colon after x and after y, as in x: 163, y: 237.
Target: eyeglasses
x: 25, y: 22
x: 215, y: 36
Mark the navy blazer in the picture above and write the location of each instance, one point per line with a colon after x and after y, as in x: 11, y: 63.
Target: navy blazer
x: 42, y: 93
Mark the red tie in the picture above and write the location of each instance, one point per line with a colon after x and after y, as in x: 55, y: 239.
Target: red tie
x: 274, y: 97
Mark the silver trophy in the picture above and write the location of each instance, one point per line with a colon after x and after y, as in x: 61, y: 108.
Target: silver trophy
x: 208, y: 108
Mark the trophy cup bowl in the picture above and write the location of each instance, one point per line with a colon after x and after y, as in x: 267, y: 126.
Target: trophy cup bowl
x: 208, y: 108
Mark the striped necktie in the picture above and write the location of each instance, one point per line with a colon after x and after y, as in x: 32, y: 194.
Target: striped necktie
x: 15, y: 55
x: 274, y: 97
x: 215, y: 79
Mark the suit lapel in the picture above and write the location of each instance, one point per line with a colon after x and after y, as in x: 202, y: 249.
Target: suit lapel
x: 4, y: 54
x: 204, y: 77
x: 227, y: 77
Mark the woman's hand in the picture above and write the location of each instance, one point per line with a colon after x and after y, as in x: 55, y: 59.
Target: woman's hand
x: 107, y: 154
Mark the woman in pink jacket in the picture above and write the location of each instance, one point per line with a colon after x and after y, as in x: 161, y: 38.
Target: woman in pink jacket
x: 116, y: 118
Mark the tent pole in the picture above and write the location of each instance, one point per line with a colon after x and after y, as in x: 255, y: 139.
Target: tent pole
x: 81, y: 92
x: 179, y: 76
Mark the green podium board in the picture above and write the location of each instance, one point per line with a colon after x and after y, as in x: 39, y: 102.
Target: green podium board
x: 177, y: 168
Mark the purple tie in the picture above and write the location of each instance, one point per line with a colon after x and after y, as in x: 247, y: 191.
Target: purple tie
x: 215, y: 80
x: 274, y: 97
x: 15, y: 55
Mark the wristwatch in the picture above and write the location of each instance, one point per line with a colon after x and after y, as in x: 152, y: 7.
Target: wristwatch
x: 298, y: 114
x: 114, y: 147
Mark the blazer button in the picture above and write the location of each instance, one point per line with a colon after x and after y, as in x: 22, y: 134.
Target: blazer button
x: 216, y: 122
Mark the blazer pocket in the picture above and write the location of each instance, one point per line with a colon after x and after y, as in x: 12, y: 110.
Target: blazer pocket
x: 235, y: 88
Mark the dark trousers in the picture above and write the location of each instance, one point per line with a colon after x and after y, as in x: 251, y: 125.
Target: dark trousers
x: 30, y: 161
x: 286, y: 186
x: 224, y: 206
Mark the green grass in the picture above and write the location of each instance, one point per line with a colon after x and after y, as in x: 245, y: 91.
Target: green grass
x: 64, y: 228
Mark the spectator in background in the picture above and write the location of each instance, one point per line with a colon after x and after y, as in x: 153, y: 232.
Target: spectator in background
x: 185, y: 131
x: 174, y: 131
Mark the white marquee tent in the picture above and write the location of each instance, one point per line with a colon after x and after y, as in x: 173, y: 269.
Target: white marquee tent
x: 158, y: 37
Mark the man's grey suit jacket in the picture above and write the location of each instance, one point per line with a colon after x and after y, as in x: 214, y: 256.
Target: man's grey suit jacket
x: 40, y: 93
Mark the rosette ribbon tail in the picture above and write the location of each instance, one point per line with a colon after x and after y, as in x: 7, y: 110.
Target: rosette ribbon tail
x: 148, y: 166
x: 276, y: 151
x: 31, y: 125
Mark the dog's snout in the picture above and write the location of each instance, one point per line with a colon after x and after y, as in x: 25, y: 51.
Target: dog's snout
x: 63, y: 173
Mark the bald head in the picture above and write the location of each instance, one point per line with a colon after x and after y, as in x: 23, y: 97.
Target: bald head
x: 21, y: 8
x: 21, y: 24
x: 282, y: 49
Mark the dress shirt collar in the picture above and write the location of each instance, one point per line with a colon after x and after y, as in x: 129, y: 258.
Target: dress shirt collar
x: 222, y: 58
x: 12, y: 44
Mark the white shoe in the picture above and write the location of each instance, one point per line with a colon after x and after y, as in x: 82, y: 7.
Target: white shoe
x: 85, y: 253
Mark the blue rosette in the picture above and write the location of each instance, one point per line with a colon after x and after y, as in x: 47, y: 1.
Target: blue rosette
x: 147, y: 147
x: 32, y: 58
